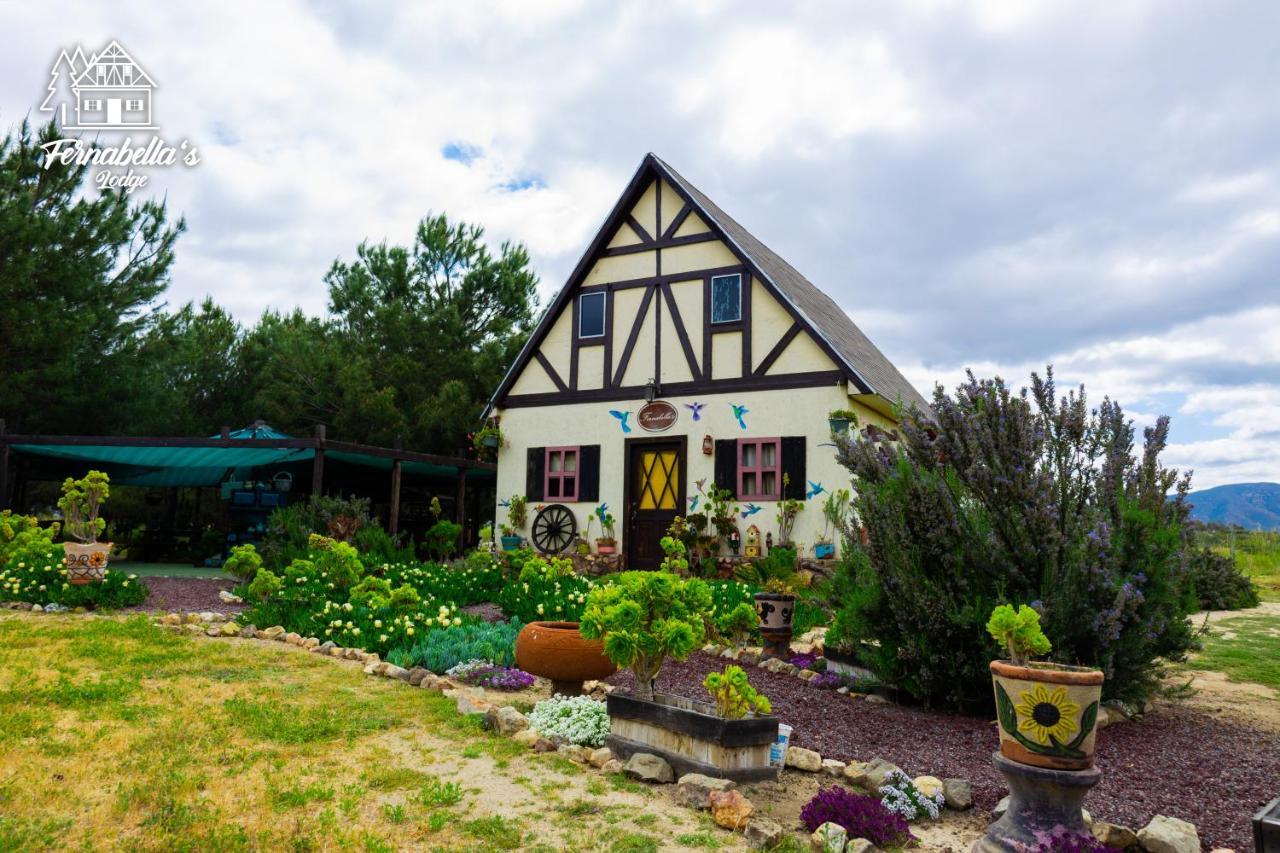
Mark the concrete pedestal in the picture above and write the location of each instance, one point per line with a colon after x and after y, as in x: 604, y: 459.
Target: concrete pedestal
x: 1040, y: 800
x: 777, y: 644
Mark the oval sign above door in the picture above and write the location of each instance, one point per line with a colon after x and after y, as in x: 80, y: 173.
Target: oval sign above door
x: 657, y: 416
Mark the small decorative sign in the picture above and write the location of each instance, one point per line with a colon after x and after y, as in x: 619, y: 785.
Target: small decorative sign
x: 657, y: 416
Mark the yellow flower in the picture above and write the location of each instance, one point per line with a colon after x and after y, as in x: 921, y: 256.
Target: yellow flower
x: 1045, y: 713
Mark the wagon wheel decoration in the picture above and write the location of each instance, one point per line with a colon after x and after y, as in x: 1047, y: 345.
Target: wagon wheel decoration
x: 554, y: 529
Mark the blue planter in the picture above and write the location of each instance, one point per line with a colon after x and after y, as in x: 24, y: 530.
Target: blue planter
x: 510, y: 543
x: 824, y: 550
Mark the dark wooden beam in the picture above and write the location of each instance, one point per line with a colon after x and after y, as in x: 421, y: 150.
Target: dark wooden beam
x: 460, y: 509
x: 677, y: 222
x: 683, y: 389
x: 744, y: 308
x: 551, y: 371
x: 681, y: 333
x: 632, y: 337
x: 706, y: 326
x: 665, y: 243
x: 787, y: 337
x: 4, y: 470
x: 638, y: 228
x: 317, y: 463
x: 393, y: 516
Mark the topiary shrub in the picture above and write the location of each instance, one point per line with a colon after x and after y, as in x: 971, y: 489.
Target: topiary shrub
x: 243, y: 562
x: 861, y: 816
x: 645, y: 617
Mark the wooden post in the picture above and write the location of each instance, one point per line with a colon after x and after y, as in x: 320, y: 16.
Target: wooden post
x: 224, y: 433
x: 461, y: 511
x: 393, y: 523
x: 4, y: 468
x: 317, y: 464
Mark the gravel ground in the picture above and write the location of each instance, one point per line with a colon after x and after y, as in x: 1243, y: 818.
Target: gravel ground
x: 186, y: 594
x: 1177, y: 762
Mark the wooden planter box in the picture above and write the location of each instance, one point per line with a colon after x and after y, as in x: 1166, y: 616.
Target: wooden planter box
x: 691, y: 737
x: 1266, y: 828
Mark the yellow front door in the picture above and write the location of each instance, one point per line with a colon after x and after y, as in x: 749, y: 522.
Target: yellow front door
x: 656, y: 498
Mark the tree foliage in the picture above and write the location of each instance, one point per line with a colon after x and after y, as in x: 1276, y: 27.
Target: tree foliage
x: 1027, y: 498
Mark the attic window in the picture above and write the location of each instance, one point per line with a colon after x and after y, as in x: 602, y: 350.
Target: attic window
x: 726, y: 299
x: 591, y: 315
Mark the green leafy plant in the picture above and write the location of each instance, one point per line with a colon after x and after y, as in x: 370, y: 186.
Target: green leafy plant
x: 265, y: 585
x: 675, y: 559
x: 835, y: 514
x: 1018, y: 631
x: 607, y: 522
x: 778, y: 567
x: 644, y: 618
x: 788, y: 509
x: 81, y: 502
x: 733, y: 694
x: 737, y: 624
x: 722, y: 510
x: 843, y: 415
x: 244, y: 561
x: 518, y: 512
x: 441, y: 539
x: 444, y: 648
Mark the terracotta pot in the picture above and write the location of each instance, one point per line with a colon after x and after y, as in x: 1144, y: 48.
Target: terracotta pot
x: 556, y: 651
x: 1048, y: 713
x: 606, y: 546
x: 86, y: 563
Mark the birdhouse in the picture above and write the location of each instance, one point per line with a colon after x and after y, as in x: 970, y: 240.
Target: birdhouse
x: 753, y: 542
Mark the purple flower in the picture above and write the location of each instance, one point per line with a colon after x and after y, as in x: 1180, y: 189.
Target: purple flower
x: 499, y: 678
x: 862, y: 816
x: 803, y: 661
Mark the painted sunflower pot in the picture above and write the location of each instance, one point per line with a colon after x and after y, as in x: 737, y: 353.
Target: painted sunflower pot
x: 86, y: 563
x: 1048, y: 713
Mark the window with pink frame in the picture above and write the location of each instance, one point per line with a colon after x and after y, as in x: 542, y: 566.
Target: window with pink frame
x: 759, y: 469
x: 561, y: 479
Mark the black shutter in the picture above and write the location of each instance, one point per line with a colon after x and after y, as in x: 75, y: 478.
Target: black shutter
x: 727, y: 465
x: 536, y: 467
x: 793, y: 467
x: 589, y: 472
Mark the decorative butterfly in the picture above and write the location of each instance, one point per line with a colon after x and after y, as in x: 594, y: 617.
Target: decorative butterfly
x: 738, y: 412
x: 693, y: 503
x: 696, y: 408
x: 815, y: 489
x: 622, y: 418
x: 751, y: 510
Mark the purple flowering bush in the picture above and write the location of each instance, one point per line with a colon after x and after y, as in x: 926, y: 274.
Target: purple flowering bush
x: 862, y: 816
x: 1063, y: 840
x: 805, y: 660
x: 482, y: 673
x: 999, y: 496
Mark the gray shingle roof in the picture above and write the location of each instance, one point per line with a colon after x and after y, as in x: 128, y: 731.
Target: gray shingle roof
x: 823, y: 315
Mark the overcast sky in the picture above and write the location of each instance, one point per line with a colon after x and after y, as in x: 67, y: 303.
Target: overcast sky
x: 994, y: 185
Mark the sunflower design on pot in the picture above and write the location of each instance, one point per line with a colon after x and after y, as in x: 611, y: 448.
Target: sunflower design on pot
x: 1047, y: 713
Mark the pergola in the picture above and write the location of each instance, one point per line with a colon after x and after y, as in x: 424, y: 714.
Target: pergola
x: 169, y: 461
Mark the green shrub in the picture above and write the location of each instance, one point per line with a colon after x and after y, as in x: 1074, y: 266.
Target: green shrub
x: 996, y: 496
x: 544, y: 591
x: 1018, y: 632
x: 445, y: 648
x: 733, y: 694
x: 1218, y: 582
x: 265, y: 584
x: 32, y: 569
x: 645, y: 617
x: 243, y: 562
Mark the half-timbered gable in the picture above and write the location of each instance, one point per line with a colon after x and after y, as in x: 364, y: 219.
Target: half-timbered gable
x: 675, y: 301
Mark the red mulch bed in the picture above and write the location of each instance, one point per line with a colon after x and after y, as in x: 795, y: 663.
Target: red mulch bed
x: 186, y: 594
x: 1178, y: 762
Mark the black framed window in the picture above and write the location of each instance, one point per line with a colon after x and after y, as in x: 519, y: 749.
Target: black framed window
x: 726, y: 298
x: 591, y: 315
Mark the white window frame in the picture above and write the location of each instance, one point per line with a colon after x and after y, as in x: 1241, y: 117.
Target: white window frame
x: 714, y: 279
x: 604, y: 314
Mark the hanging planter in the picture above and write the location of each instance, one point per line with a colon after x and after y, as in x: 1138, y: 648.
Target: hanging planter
x: 839, y: 420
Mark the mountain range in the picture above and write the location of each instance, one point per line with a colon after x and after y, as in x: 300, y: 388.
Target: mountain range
x: 1254, y: 506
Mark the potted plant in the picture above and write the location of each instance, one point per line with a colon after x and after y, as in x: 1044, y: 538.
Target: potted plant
x: 834, y: 510
x: 788, y: 509
x: 643, y: 618
x: 722, y: 511
x: 776, y: 603
x: 840, y: 420
x: 488, y: 439
x: 1048, y: 712
x: 81, y: 501
x: 607, y: 543
x: 517, y: 514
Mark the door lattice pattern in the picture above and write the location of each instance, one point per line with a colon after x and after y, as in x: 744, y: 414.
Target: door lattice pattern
x: 659, y: 478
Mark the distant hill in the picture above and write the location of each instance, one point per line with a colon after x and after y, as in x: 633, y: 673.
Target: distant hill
x: 1254, y: 506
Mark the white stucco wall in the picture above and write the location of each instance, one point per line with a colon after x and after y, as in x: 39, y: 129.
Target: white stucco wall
x: 799, y: 411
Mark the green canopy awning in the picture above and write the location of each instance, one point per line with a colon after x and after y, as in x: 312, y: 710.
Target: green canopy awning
x: 169, y: 466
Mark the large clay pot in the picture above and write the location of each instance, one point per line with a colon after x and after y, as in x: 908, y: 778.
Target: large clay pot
x: 86, y: 563
x: 1048, y: 713
x: 556, y: 651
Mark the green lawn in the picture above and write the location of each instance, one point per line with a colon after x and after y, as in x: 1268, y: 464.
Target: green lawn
x: 1244, y: 648
x: 115, y: 734
x: 169, y: 570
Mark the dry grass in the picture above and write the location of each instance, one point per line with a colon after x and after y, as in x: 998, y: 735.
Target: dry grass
x: 115, y: 734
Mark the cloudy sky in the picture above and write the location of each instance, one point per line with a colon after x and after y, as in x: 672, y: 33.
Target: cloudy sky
x: 983, y: 184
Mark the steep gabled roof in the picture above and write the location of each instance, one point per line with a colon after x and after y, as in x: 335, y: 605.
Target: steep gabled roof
x: 113, y: 57
x: 825, y: 318
x: 833, y: 329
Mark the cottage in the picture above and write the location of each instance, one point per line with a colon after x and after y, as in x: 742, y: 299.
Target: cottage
x: 682, y: 355
x: 113, y: 91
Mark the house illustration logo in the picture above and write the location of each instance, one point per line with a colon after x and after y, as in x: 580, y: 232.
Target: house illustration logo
x: 107, y: 91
